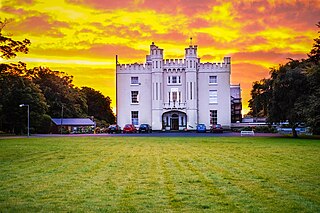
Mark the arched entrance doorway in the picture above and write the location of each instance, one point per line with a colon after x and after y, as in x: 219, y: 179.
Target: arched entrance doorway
x: 174, y: 120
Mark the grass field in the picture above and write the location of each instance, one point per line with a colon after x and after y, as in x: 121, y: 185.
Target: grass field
x: 130, y: 174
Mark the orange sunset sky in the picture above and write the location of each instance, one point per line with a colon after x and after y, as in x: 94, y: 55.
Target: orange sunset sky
x: 82, y: 37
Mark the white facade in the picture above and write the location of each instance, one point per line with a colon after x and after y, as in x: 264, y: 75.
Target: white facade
x: 173, y: 94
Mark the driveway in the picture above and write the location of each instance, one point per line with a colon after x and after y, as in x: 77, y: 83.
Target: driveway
x: 161, y: 134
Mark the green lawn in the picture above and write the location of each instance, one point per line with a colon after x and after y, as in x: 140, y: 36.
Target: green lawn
x: 130, y: 174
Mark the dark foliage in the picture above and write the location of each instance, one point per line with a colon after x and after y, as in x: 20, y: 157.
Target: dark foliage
x: 46, y: 92
x: 291, y: 93
x: 98, y: 105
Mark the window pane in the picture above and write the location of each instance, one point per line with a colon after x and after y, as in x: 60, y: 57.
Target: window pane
x: 213, y: 117
x: 213, y: 96
x: 174, y: 96
x: 134, y: 117
x: 134, y: 97
x: 134, y: 80
x: 174, y: 79
x: 190, y: 90
x: 212, y: 79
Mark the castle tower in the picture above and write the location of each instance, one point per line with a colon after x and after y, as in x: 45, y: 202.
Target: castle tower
x: 191, y: 85
x: 156, y: 60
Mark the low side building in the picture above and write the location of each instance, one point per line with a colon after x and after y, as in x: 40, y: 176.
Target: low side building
x: 72, y: 125
x: 236, y: 103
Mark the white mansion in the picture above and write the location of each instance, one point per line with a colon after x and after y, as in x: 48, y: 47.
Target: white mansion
x: 173, y: 94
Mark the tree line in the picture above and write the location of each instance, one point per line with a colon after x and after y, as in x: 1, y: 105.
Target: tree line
x: 46, y: 91
x: 291, y: 93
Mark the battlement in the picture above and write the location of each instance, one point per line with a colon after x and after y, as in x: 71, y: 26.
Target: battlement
x: 155, y: 51
x: 213, y: 65
x: 217, y: 65
x: 133, y: 67
x: 191, y: 51
x: 174, y: 62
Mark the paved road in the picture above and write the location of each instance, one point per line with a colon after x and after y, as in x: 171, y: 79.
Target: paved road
x: 161, y: 134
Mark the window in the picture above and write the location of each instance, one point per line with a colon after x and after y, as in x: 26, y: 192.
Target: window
x: 135, y: 117
x: 212, y: 79
x: 174, y: 96
x: 213, y: 96
x: 134, y: 80
x: 134, y: 97
x: 174, y: 79
x: 213, y: 117
x: 190, y: 90
x: 160, y: 95
x: 156, y: 91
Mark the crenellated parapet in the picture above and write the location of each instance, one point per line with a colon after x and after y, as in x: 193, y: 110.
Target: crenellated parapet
x: 155, y: 52
x: 136, y: 67
x: 174, y: 70
x: 167, y: 63
x: 225, y: 65
x: 213, y: 65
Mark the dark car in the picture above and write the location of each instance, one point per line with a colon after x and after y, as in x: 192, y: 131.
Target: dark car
x: 114, y: 129
x: 145, y: 128
x: 216, y: 128
x: 129, y: 128
x: 201, y: 128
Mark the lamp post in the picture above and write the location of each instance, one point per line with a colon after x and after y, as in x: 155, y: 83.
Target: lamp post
x: 27, y: 105
x: 61, y: 119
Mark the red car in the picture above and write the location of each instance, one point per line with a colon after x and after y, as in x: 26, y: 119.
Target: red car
x: 129, y: 128
x: 216, y: 128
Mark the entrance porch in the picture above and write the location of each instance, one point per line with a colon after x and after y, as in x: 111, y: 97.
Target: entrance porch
x: 174, y: 120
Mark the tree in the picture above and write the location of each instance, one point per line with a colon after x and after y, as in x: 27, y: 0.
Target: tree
x: 9, y: 47
x: 288, y: 89
x: 314, y: 55
x: 59, y: 92
x: 261, y: 94
x: 46, y: 92
x: 312, y: 69
x: 16, y: 90
x: 312, y: 107
x: 291, y: 93
x: 98, y: 105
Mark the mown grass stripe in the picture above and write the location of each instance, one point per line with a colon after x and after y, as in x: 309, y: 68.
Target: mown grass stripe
x: 128, y: 174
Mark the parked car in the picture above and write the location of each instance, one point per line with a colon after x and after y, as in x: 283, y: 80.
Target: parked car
x: 145, y: 128
x: 201, y: 128
x: 216, y: 128
x: 115, y: 128
x: 129, y: 128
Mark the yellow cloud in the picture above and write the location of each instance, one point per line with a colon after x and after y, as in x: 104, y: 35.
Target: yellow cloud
x: 284, y: 40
